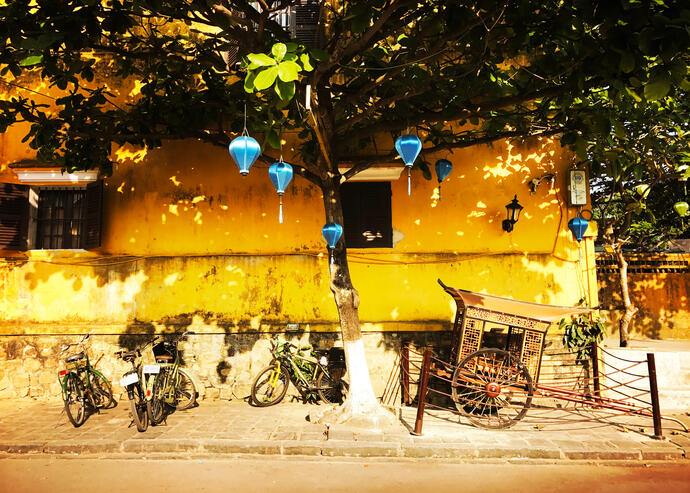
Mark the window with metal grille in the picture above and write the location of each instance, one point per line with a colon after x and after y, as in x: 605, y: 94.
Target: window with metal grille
x: 60, y: 222
x: 367, y: 214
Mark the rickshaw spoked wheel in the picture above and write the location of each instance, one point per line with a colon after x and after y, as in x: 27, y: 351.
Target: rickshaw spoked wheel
x: 492, y: 389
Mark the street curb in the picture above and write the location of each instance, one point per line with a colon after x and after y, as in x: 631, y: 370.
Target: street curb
x: 339, y: 448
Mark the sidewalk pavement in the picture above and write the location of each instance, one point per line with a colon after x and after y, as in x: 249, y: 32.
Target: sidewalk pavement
x: 234, y: 427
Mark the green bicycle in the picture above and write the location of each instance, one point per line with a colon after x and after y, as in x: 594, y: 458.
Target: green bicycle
x: 168, y: 387
x: 317, y: 374
x: 83, y: 385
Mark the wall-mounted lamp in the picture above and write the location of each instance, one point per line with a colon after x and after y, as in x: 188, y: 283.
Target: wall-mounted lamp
x: 514, y: 209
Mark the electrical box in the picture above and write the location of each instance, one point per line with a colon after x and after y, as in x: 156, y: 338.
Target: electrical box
x: 577, y: 187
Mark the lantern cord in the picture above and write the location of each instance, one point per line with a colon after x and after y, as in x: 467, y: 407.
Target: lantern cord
x: 280, y: 213
x: 409, y: 182
x: 244, y: 131
x: 439, y: 191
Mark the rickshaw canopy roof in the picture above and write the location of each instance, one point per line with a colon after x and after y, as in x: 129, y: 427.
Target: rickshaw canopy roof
x: 526, y: 309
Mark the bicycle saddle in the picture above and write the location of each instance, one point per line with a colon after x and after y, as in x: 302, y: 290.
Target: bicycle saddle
x: 128, y: 355
x: 74, y: 357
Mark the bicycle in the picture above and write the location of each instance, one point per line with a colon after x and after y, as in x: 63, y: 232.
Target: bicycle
x: 82, y: 383
x: 131, y: 382
x: 317, y: 374
x: 167, y: 385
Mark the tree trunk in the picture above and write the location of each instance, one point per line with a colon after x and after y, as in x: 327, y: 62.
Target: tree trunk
x: 630, y: 309
x: 361, y: 406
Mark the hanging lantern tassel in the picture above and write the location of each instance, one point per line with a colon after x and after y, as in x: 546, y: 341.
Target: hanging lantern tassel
x: 443, y: 169
x: 408, y: 146
x: 280, y: 211
x: 280, y: 174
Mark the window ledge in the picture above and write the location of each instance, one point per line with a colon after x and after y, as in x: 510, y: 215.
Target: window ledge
x: 376, y: 173
x: 55, y: 176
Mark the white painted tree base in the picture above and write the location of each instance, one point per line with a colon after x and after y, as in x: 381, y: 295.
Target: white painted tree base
x: 361, y: 408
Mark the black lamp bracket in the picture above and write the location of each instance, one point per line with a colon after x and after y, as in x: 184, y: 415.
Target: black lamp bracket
x: 535, y: 182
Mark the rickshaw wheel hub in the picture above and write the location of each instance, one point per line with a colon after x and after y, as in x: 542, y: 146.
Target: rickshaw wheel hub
x: 492, y: 389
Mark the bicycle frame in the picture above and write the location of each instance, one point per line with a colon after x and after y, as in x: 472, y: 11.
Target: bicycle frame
x: 170, y: 374
x: 297, y: 376
x: 82, y: 369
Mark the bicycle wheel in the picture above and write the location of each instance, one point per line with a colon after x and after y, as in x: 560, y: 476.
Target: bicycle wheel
x: 155, y: 407
x: 270, y: 386
x: 332, y: 389
x: 185, y: 391
x: 137, y: 408
x: 73, y: 396
x: 102, y: 391
x: 491, y: 389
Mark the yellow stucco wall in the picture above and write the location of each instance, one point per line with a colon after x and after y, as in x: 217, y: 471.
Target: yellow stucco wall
x: 184, y: 233
x: 659, y: 287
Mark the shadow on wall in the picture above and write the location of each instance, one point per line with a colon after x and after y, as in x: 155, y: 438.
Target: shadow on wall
x: 662, y: 299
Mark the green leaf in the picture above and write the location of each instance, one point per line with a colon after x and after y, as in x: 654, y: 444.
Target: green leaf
x: 634, y: 95
x: 285, y: 90
x: 657, y: 87
x: 273, y: 139
x: 279, y: 50
x: 261, y: 59
x: 306, y: 65
x: 319, y: 55
x: 249, y: 82
x: 265, y: 78
x: 288, y: 71
x: 627, y: 62
x: 31, y: 60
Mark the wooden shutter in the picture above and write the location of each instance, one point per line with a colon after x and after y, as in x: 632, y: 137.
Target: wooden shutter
x: 14, y: 216
x: 94, y: 209
x: 367, y: 214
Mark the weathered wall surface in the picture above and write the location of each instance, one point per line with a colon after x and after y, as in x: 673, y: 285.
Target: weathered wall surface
x: 659, y: 287
x: 190, y: 244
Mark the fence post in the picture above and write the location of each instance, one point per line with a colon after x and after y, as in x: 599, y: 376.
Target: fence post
x: 405, y: 372
x: 595, y: 369
x: 423, y: 381
x: 654, y: 391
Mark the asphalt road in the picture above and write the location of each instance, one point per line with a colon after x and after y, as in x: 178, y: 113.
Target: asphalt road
x: 300, y: 475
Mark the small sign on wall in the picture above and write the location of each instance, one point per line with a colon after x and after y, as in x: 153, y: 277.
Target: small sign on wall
x: 577, y: 187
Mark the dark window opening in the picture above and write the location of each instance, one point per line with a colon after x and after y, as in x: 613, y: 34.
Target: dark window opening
x: 367, y: 214
x: 60, y: 222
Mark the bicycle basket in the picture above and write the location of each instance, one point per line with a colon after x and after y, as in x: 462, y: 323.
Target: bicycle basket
x: 164, y: 351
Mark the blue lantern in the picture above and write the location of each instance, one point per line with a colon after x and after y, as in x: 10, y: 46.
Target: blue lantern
x: 409, y: 147
x: 443, y: 169
x: 331, y: 233
x: 280, y: 174
x: 244, y: 150
x: 578, y: 226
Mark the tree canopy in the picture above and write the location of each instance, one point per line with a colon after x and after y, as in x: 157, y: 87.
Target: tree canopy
x: 456, y: 73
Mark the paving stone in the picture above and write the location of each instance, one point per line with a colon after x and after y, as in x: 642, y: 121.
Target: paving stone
x: 360, y: 449
x: 312, y: 436
x: 421, y: 451
x: 306, y: 447
x: 242, y: 446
